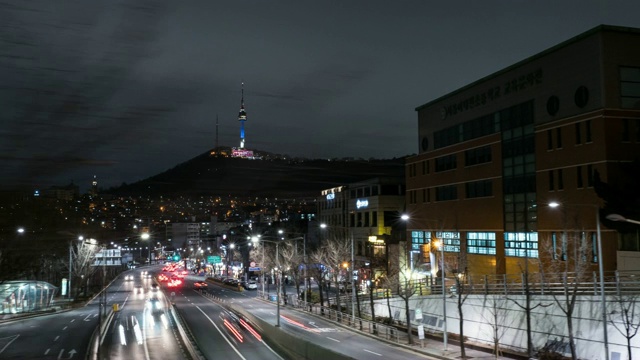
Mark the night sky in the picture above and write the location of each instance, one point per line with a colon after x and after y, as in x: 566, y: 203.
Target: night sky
x: 127, y: 89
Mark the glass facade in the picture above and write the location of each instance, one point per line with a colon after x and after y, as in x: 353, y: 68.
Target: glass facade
x: 521, y: 244
x: 481, y: 243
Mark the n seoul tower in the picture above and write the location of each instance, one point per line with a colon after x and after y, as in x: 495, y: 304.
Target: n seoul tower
x: 242, y: 117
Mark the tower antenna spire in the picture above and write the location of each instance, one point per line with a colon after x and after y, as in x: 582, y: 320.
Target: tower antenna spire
x: 242, y: 117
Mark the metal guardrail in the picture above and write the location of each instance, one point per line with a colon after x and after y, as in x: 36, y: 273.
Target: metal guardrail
x: 186, y: 338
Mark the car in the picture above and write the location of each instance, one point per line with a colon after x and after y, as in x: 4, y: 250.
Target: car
x: 250, y: 285
x: 128, y: 278
x: 231, y: 282
x: 154, y: 287
x: 154, y: 305
x: 138, y: 290
x: 200, y: 285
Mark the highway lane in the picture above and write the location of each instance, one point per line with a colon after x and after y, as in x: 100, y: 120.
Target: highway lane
x: 218, y: 333
x: 316, y: 330
x: 63, y: 335
x: 142, y: 328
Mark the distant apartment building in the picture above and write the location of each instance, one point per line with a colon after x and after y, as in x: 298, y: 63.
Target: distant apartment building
x: 495, y: 153
x: 187, y: 234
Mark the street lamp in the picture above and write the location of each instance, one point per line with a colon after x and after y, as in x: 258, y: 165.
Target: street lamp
x: 436, y: 244
x: 603, y: 298
x: 146, y: 236
x: 616, y: 217
x: 440, y: 244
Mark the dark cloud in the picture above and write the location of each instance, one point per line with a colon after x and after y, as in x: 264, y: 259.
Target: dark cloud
x: 126, y: 89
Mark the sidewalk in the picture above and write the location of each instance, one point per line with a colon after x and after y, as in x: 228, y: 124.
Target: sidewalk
x: 431, y: 345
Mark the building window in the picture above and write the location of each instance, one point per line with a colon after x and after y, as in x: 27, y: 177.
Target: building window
x: 579, y: 182
x: 630, y: 87
x: 478, y: 189
x: 560, y: 181
x: 419, y: 238
x: 578, y: 134
x: 549, y: 140
x: 375, y: 190
x: 448, y: 192
x: 481, y: 243
x: 477, y: 156
x: 445, y: 163
x: 366, y: 219
x: 564, y: 247
x: 554, y: 246
x: 450, y: 239
x: 588, y: 131
x: 551, y: 182
x: 374, y: 218
x: 521, y: 244
x: 559, y: 138
x: 428, y: 195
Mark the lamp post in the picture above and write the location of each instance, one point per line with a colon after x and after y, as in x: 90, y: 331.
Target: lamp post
x: 603, y: 297
x: 444, y: 296
x: 616, y: 217
x: 436, y: 244
x: 259, y: 239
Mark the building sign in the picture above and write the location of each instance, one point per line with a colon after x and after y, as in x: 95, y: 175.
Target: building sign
x: 331, y: 196
x: 514, y: 85
x: 362, y: 203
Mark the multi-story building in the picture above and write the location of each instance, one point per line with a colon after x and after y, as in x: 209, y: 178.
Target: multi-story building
x: 366, y: 211
x: 495, y: 153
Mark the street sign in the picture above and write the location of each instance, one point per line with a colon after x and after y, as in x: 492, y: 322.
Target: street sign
x: 254, y: 269
x: 214, y: 259
x: 421, y: 332
x: 418, y: 315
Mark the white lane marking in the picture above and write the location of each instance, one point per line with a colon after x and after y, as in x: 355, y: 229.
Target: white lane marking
x: 371, y: 352
x: 87, y: 318
x: 223, y: 335
x: 9, y: 343
x: 272, y: 313
x: 57, y: 337
x: 65, y: 328
x: 72, y: 320
x: 330, y: 338
x: 46, y: 352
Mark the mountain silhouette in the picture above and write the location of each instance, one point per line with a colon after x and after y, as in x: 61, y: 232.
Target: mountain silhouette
x: 270, y: 176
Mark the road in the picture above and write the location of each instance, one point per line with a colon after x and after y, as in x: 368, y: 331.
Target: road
x: 142, y: 328
x: 314, y: 329
x: 64, y: 335
x: 218, y: 333
x: 67, y: 335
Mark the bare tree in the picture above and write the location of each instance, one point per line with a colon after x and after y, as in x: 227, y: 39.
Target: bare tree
x: 406, y: 286
x: 629, y: 320
x: 319, y: 272
x: 83, y: 256
x: 290, y: 261
x: 495, y: 313
x: 337, y: 252
x: 463, y: 285
x: 570, y: 282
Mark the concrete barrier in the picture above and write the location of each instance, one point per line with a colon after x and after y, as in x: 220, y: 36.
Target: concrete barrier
x: 294, y: 346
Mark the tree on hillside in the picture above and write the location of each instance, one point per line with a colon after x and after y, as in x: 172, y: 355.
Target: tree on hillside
x: 629, y: 320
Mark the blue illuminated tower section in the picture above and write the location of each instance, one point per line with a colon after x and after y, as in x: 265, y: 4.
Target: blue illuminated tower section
x: 242, y: 117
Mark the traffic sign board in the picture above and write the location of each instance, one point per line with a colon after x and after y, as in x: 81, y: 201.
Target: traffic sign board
x: 254, y: 269
x: 214, y: 259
